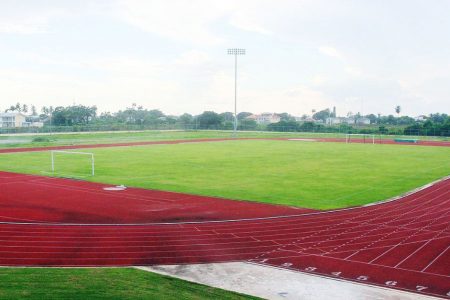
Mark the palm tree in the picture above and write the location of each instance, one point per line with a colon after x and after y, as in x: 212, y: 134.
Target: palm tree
x: 398, y: 110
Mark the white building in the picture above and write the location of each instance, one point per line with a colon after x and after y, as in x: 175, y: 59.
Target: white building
x: 363, y: 121
x: 12, y: 119
x: 17, y: 119
x: 265, y: 118
x: 349, y: 121
x: 421, y: 118
x: 333, y: 121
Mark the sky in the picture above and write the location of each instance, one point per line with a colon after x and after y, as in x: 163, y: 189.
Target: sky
x: 361, y: 56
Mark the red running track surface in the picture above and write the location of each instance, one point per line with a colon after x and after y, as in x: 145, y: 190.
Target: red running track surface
x: 403, y: 244
x: 333, y: 140
x: 39, y: 199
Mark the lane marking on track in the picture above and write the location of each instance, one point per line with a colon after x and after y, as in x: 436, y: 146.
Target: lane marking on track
x: 423, y: 270
x: 346, y: 231
x: 442, y: 180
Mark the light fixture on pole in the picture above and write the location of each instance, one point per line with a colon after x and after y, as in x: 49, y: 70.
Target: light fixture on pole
x: 235, y: 52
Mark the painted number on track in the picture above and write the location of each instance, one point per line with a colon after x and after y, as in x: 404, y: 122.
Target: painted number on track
x: 421, y: 288
x: 391, y: 283
x: 286, y: 265
x: 336, y: 273
x: 310, y: 269
x: 363, y: 278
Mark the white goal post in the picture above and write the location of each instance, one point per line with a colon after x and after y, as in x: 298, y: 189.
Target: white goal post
x: 370, y: 137
x: 73, y: 152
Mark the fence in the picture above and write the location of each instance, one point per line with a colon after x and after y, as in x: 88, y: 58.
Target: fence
x: 311, y: 128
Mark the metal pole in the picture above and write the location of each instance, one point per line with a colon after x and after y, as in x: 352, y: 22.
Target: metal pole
x: 93, y: 165
x: 53, y: 162
x: 235, y: 95
x: 235, y: 52
x: 51, y: 116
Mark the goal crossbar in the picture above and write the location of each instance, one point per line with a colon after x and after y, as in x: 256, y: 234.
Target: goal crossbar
x: 363, y: 135
x: 73, y: 152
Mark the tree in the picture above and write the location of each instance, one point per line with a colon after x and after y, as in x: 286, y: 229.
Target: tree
x: 11, y: 108
x: 227, y: 116
x: 398, y: 109
x: 286, y: 117
x: 25, y: 108
x: 209, y: 120
x: 405, y: 120
x: 372, y: 118
x: 73, y: 115
x: 322, y: 115
x: 186, y: 119
x: 248, y: 124
x: 33, y: 110
x: 243, y: 115
x: 154, y: 116
x: 284, y: 126
x: 438, y: 118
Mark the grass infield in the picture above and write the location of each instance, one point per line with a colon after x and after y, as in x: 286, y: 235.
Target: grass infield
x: 76, y: 138
x: 105, y: 283
x: 306, y: 174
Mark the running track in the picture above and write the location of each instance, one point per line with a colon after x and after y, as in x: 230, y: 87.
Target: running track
x: 403, y: 244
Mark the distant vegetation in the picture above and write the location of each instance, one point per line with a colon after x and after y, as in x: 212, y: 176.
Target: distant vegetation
x: 135, y: 117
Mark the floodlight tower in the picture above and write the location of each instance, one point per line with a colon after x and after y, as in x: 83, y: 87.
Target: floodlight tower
x: 235, y: 52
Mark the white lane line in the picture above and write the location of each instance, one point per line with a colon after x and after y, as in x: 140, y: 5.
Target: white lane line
x: 423, y: 270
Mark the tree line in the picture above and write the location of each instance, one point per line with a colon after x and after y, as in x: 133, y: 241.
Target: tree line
x: 136, y: 115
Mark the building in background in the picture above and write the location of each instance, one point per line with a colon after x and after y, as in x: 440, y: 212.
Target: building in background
x: 349, y: 120
x: 421, y: 118
x: 18, y: 119
x: 265, y: 118
x: 12, y: 119
x: 334, y: 121
x: 362, y: 121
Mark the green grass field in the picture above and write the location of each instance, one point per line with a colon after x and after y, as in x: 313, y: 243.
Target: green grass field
x: 305, y: 174
x: 105, y: 283
x: 41, y: 140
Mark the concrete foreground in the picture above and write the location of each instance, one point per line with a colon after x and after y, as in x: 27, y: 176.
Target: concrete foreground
x: 273, y: 283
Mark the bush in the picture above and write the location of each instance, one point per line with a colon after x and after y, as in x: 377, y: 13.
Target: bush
x: 41, y: 139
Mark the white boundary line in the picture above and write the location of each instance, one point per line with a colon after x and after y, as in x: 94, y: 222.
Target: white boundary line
x: 347, y: 280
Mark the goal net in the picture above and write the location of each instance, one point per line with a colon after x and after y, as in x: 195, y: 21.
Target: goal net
x: 360, y: 138
x: 72, y: 163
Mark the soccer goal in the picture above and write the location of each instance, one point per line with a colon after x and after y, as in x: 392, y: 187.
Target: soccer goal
x: 359, y: 137
x: 72, y: 163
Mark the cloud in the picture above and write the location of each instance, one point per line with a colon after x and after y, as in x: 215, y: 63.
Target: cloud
x: 243, y: 20
x: 27, y: 22
x: 187, y: 21
x: 193, y: 21
x: 109, y: 51
x: 33, y: 17
x: 192, y: 58
x: 330, y: 51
